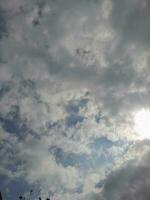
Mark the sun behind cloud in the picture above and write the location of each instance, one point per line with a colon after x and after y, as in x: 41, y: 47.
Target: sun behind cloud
x: 142, y: 124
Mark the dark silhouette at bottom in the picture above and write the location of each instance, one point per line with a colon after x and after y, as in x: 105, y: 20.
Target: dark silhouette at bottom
x: 1, y: 196
x: 23, y: 198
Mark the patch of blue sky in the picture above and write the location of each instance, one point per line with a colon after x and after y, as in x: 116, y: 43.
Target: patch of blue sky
x: 73, y: 110
x: 81, y: 161
x: 73, y: 119
x: 74, y: 106
x: 13, y: 123
x: 102, y: 149
x: 4, y: 88
x: 104, y: 142
x: 101, y: 142
x: 12, y: 188
x: 102, y: 154
x: 97, y: 118
x: 83, y: 102
x: 68, y: 159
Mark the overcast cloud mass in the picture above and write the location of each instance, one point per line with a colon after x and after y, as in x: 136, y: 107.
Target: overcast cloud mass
x: 73, y: 73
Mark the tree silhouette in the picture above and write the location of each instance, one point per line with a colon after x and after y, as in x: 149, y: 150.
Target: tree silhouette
x: 1, y: 196
x: 21, y: 197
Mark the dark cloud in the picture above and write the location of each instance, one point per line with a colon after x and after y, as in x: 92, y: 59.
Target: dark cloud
x: 3, y: 24
x: 132, y: 21
x: 131, y: 181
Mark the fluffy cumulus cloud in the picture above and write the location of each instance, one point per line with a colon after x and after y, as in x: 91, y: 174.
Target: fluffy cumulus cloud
x: 73, y: 74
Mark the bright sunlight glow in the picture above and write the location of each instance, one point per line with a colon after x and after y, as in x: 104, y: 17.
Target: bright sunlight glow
x: 142, y: 124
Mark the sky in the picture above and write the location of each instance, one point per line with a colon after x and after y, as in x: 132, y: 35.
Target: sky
x: 75, y: 99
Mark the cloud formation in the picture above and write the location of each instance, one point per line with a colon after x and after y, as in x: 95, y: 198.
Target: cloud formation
x: 131, y: 181
x: 72, y: 75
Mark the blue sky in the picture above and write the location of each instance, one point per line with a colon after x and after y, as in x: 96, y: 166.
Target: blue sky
x: 73, y: 76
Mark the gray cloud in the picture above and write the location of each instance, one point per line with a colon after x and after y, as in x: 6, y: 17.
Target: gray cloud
x: 130, y: 181
x: 3, y: 25
x: 131, y: 19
